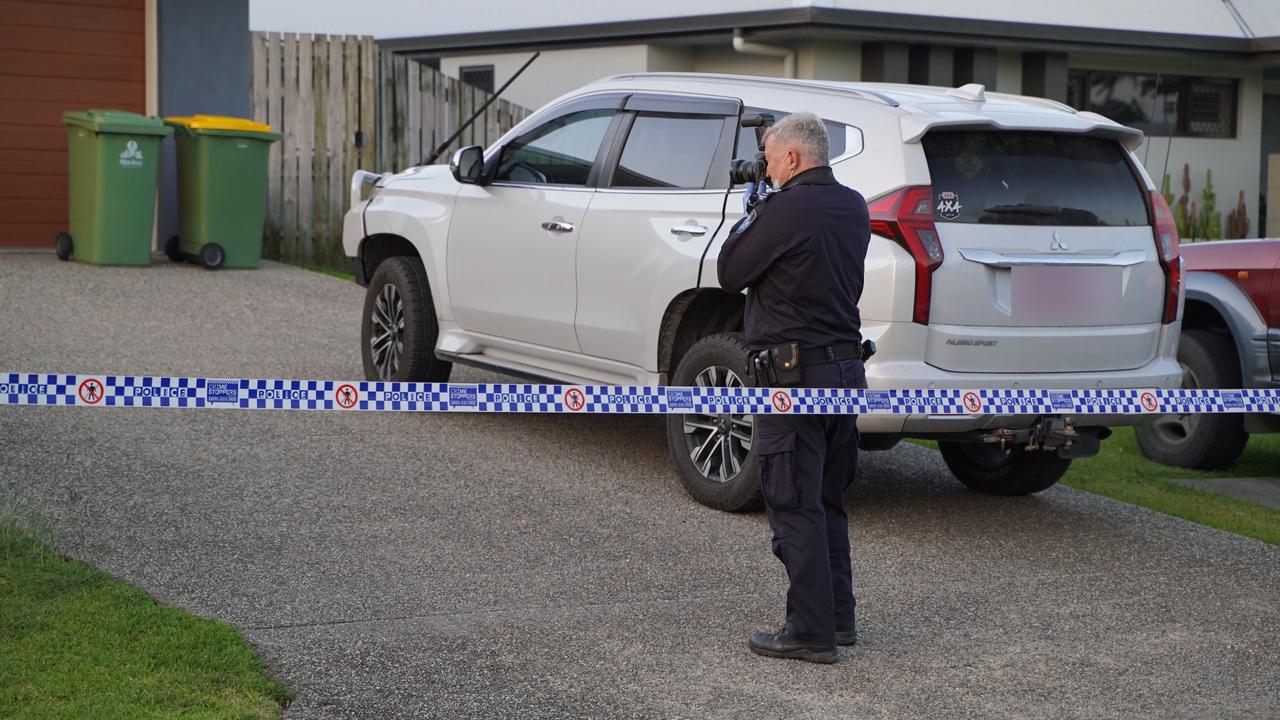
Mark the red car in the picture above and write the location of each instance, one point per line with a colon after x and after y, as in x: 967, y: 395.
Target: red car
x: 1230, y: 339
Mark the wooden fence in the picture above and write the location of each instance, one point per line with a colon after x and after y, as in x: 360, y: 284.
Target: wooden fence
x: 343, y: 104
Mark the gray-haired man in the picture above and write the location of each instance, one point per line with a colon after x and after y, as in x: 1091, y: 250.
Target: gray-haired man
x: 801, y: 252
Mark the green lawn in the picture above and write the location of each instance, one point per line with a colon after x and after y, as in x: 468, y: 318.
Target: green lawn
x: 77, y: 643
x: 1120, y: 471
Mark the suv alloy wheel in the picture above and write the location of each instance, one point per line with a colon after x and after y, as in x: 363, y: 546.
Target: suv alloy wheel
x: 713, y: 452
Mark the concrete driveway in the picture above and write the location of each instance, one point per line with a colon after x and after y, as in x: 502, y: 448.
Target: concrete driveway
x: 552, y: 566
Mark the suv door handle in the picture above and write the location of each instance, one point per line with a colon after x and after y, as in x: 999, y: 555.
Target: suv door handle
x: 557, y: 226
x: 694, y: 230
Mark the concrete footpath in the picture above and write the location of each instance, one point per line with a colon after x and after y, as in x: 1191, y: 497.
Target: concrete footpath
x: 462, y: 566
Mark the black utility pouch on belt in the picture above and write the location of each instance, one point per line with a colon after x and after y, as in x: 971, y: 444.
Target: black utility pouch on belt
x: 775, y: 366
x: 779, y: 365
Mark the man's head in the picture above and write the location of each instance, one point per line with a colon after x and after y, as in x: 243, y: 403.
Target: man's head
x: 794, y: 144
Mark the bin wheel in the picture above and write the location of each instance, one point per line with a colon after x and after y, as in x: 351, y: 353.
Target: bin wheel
x: 212, y: 256
x: 171, y: 249
x: 63, y: 246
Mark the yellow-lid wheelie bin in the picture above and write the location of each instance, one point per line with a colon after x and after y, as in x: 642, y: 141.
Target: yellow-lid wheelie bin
x: 112, y: 159
x: 222, y: 190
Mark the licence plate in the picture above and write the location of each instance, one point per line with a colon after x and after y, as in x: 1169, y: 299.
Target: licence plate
x: 1048, y: 295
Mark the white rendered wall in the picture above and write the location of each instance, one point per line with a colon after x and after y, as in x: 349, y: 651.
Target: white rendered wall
x: 555, y: 73
x: 724, y: 59
x: 830, y: 60
x: 1009, y: 71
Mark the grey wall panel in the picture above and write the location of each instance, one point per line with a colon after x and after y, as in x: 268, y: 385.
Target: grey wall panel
x: 204, y: 67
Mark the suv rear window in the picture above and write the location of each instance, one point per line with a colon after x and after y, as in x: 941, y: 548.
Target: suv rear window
x: 1032, y: 178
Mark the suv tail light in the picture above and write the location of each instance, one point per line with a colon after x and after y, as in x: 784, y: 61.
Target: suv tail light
x: 906, y: 217
x: 1167, y: 249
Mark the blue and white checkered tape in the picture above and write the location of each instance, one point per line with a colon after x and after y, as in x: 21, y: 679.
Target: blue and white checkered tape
x: 360, y: 395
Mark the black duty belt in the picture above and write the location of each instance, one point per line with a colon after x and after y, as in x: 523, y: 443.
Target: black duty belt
x: 830, y: 353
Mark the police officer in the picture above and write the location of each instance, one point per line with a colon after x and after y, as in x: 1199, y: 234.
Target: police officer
x: 800, y: 251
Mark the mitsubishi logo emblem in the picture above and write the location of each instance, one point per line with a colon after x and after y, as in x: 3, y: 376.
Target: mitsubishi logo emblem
x: 1056, y: 244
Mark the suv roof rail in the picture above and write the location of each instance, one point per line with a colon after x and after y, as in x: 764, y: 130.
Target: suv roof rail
x: 833, y: 87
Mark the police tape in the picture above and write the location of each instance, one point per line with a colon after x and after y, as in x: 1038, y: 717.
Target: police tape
x: 128, y: 391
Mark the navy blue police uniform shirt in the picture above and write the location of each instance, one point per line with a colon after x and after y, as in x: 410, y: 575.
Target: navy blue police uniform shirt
x: 801, y: 252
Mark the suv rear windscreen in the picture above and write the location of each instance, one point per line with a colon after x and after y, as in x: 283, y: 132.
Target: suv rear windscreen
x: 1032, y: 178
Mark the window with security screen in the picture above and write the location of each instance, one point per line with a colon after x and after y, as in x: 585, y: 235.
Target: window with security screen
x: 480, y: 76
x: 1159, y: 104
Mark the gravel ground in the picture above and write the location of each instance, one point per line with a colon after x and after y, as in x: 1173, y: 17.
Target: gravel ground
x: 552, y: 567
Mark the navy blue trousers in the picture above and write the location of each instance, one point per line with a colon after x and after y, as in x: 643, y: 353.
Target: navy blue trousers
x: 806, y: 464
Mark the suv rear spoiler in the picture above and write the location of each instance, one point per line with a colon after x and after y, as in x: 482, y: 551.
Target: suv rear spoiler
x: 914, y: 127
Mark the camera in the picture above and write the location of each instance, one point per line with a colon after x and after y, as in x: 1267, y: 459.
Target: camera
x: 754, y: 171
x: 748, y: 171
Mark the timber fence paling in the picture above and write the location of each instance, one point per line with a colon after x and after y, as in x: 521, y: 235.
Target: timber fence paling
x: 291, y: 127
x: 343, y: 104
x: 319, y: 210
x: 347, y: 141
x: 274, y: 91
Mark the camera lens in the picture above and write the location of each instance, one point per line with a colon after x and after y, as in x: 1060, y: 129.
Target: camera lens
x: 742, y: 172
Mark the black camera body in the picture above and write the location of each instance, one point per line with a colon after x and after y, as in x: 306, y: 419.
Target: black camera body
x: 742, y: 172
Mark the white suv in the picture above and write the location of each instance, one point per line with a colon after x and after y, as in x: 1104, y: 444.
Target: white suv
x: 1017, y: 243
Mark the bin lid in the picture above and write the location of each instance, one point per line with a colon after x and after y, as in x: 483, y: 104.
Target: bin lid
x: 116, y: 121
x: 222, y: 125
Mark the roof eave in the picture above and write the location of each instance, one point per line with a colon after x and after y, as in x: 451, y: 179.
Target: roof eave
x: 951, y: 30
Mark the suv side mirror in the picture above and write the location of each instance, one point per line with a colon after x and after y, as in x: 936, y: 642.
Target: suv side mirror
x: 467, y: 165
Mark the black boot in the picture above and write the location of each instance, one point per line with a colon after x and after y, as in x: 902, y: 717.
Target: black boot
x: 783, y: 644
x: 847, y: 634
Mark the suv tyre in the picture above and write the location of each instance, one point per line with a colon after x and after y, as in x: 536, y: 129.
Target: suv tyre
x: 398, y: 331
x: 1014, y: 471
x: 1210, y: 441
x: 713, y: 452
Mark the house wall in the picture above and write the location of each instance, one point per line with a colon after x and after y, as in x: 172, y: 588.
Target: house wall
x: 559, y: 71
x: 1009, y: 71
x: 556, y: 72
x: 1236, y: 162
x: 724, y: 59
x: 830, y: 60
x: 56, y: 57
x: 204, y: 67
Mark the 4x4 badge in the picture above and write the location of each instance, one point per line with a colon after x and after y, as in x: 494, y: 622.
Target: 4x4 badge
x: 1056, y: 243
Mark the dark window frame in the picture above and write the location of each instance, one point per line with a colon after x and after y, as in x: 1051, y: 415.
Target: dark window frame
x: 1082, y: 81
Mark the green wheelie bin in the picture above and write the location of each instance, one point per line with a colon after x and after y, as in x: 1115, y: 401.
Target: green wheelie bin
x: 222, y: 190
x: 112, y: 159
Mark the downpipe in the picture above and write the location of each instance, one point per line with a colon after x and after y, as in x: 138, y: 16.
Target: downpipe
x: 746, y: 47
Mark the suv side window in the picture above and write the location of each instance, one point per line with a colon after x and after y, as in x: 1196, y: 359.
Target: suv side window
x: 668, y: 151
x: 559, y: 152
x: 747, y: 148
